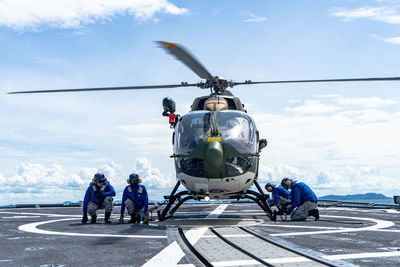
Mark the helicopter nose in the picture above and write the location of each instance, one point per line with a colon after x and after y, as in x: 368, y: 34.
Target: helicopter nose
x: 214, y: 163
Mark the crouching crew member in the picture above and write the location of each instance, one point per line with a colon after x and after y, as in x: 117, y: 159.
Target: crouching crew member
x: 280, y: 196
x: 135, y: 200
x: 304, y: 201
x: 98, y: 196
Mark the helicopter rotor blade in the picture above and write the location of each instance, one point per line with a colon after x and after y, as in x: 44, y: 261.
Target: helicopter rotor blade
x: 187, y: 58
x: 106, y: 88
x: 324, y: 80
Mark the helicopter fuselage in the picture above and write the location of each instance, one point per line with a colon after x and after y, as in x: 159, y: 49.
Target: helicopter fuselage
x: 216, y: 152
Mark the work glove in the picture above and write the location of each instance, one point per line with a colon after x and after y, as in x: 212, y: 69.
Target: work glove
x: 84, y: 219
x: 98, y: 194
x: 121, y: 219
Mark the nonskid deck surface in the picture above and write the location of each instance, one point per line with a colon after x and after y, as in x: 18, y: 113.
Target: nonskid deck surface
x: 55, y: 237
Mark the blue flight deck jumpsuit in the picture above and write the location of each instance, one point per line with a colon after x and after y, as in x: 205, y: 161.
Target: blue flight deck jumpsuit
x: 280, y: 195
x: 91, y: 203
x: 135, y: 200
x: 303, y: 200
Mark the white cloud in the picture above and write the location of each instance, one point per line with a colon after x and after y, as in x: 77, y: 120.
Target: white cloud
x: 152, y: 137
x: 383, y: 14
x: 150, y: 176
x: 254, y: 18
x: 333, y: 180
x: 37, y: 183
x: 313, y: 107
x: 37, y: 176
x: 24, y: 14
x: 369, y: 102
x: 315, y: 139
x: 390, y: 40
x: 52, y: 184
x: 274, y: 173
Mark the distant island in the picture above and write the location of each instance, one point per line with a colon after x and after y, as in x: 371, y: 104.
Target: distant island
x: 367, y: 196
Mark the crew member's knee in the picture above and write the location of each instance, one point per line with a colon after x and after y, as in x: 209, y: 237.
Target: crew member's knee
x: 298, y: 215
x: 130, y: 206
x: 108, y: 204
x: 92, y: 208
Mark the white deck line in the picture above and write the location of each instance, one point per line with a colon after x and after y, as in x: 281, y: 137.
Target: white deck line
x: 172, y: 254
x: 303, y: 259
x: 41, y: 214
x: 32, y: 228
x: 380, y: 224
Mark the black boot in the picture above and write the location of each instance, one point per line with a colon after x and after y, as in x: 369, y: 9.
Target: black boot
x: 138, y: 219
x: 133, y: 218
x: 107, y: 217
x: 314, y: 213
x: 274, y: 215
x: 94, y: 217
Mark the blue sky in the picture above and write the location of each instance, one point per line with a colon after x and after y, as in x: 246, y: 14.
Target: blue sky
x: 339, y: 138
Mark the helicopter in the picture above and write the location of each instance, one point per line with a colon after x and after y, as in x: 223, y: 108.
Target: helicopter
x: 216, y: 146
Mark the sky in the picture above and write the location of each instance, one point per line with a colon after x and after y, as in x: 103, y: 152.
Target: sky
x: 339, y: 138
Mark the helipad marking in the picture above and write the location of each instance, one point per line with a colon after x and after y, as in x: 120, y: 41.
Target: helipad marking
x: 388, y: 230
x: 32, y: 228
x: 380, y: 224
x: 363, y: 255
x: 172, y: 254
x: 20, y: 217
x: 304, y: 226
x: 391, y: 211
x: 303, y: 259
x: 42, y: 214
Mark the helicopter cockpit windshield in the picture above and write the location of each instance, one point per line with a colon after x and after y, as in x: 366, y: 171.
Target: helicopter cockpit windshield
x: 191, y: 131
x: 237, y: 133
x: 237, y: 129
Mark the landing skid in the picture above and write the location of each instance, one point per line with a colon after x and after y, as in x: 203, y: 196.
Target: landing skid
x: 183, y: 196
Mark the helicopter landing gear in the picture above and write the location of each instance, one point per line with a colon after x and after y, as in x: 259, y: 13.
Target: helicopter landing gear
x: 258, y: 198
x: 263, y: 200
x: 166, y: 213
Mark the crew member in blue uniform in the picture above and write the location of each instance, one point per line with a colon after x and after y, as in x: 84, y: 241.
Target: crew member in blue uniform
x: 280, y: 196
x: 304, y: 201
x: 99, y: 195
x: 135, y: 200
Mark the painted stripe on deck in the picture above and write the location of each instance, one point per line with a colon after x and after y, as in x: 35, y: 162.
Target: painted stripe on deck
x: 32, y: 228
x: 303, y: 259
x: 172, y: 254
x: 380, y: 224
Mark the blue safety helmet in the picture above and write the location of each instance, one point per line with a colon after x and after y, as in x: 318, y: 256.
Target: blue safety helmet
x: 283, y: 183
x: 134, y: 179
x: 269, y: 185
x: 99, y: 177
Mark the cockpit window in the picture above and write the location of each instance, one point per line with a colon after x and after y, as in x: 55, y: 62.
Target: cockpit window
x: 238, y: 130
x: 191, y: 130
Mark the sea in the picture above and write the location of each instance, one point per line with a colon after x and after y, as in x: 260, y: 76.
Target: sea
x: 377, y: 201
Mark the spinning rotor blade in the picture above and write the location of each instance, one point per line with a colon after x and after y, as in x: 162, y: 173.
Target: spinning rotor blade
x: 106, y: 88
x: 189, y: 60
x: 325, y: 80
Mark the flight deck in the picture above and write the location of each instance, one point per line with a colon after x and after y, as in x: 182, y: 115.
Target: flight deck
x: 202, y: 234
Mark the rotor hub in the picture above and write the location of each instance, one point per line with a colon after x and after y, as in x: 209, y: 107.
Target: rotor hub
x: 218, y: 85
